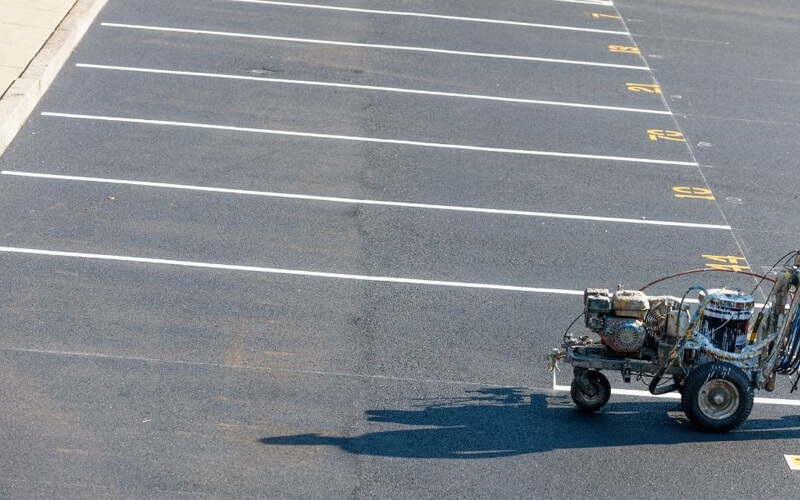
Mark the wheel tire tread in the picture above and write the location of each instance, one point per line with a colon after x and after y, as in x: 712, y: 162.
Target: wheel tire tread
x: 700, y: 376
x: 605, y: 388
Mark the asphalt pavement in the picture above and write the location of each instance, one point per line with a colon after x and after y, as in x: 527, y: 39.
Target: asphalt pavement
x: 257, y: 249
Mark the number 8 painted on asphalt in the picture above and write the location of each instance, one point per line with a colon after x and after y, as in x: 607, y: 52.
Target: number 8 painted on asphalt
x: 693, y: 192
x: 625, y: 49
x: 665, y: 135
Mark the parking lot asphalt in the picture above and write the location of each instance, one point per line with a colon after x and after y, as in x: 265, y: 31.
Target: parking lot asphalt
x: 257, y: 249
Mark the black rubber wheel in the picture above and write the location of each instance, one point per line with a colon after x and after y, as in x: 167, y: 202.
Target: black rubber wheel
x: 586, y: 402
x: 717, y: 397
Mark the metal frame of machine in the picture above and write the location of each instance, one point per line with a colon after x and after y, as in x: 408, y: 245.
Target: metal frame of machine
x: 716, y: 355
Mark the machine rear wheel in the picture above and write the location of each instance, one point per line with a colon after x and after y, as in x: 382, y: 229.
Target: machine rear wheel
x: 591, y: 402
x: 717, y: 397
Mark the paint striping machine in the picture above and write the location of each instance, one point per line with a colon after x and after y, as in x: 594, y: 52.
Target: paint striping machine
x: 715, y: 354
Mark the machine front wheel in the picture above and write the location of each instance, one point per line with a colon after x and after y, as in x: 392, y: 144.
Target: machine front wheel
x: 591, y: 403
x: 717, y: 397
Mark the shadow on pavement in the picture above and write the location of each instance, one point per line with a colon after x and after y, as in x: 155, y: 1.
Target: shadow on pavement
x: 490, y: 423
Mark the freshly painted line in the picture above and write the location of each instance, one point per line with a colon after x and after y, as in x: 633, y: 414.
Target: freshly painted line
x: 295, y: 272
x: 244, y: 367
x: 590, y: 2
x: 371, y: 87
x: 757, y: 305
x: 272, y: 194
x: 369, y: 139
x: 373, y: 46
x: 674, y: 395
x: 432, y: 16
x: 626, y: 392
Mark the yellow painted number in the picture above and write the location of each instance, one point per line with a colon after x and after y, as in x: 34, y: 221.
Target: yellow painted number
x: 605, y: 16
x: 643, y: 87
x: 726, y: 262
x: 693, y: 192
x: 625, y: 49
x: 665, y: 135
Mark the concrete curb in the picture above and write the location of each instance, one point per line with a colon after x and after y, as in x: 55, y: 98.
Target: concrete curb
x: 23, y: 95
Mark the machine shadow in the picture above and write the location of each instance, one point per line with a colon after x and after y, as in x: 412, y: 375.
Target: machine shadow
x: 498, y: 422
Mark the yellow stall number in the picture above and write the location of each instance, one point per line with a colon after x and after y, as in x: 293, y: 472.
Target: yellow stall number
x: 597, y: 15
x: 625, y: 49
x: 726, y: 262
x: 665, y: 135
x: 696, y: 193
x: 643, y: 87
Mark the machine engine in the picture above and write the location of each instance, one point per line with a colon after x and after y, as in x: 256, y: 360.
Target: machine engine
x: 618, y: 318
x: 628, y: 320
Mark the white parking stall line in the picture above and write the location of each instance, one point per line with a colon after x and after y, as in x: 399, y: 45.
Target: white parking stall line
x: 430, y: 16
x: 312, y: 83
x: 401, y: 142
x: 604, y: 3
x: 646, y: 394
x: 293, y: 272
x: 373, y: 46
x: 675, y: 395
x: 299, y: 272
x: 332, y: 199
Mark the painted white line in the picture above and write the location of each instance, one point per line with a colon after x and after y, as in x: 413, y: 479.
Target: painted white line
x: 294, y: 272
x: 244, y: 367
x: 793, y: 461
x: 432, y: 16
x: 428, y: 206
x: 675, y: 395
x: 373, y: 88
x: 626, y: 392
x: 590, y: 2
x: 369, y: 139
x: 757, y: 305
x: 373, y: 46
